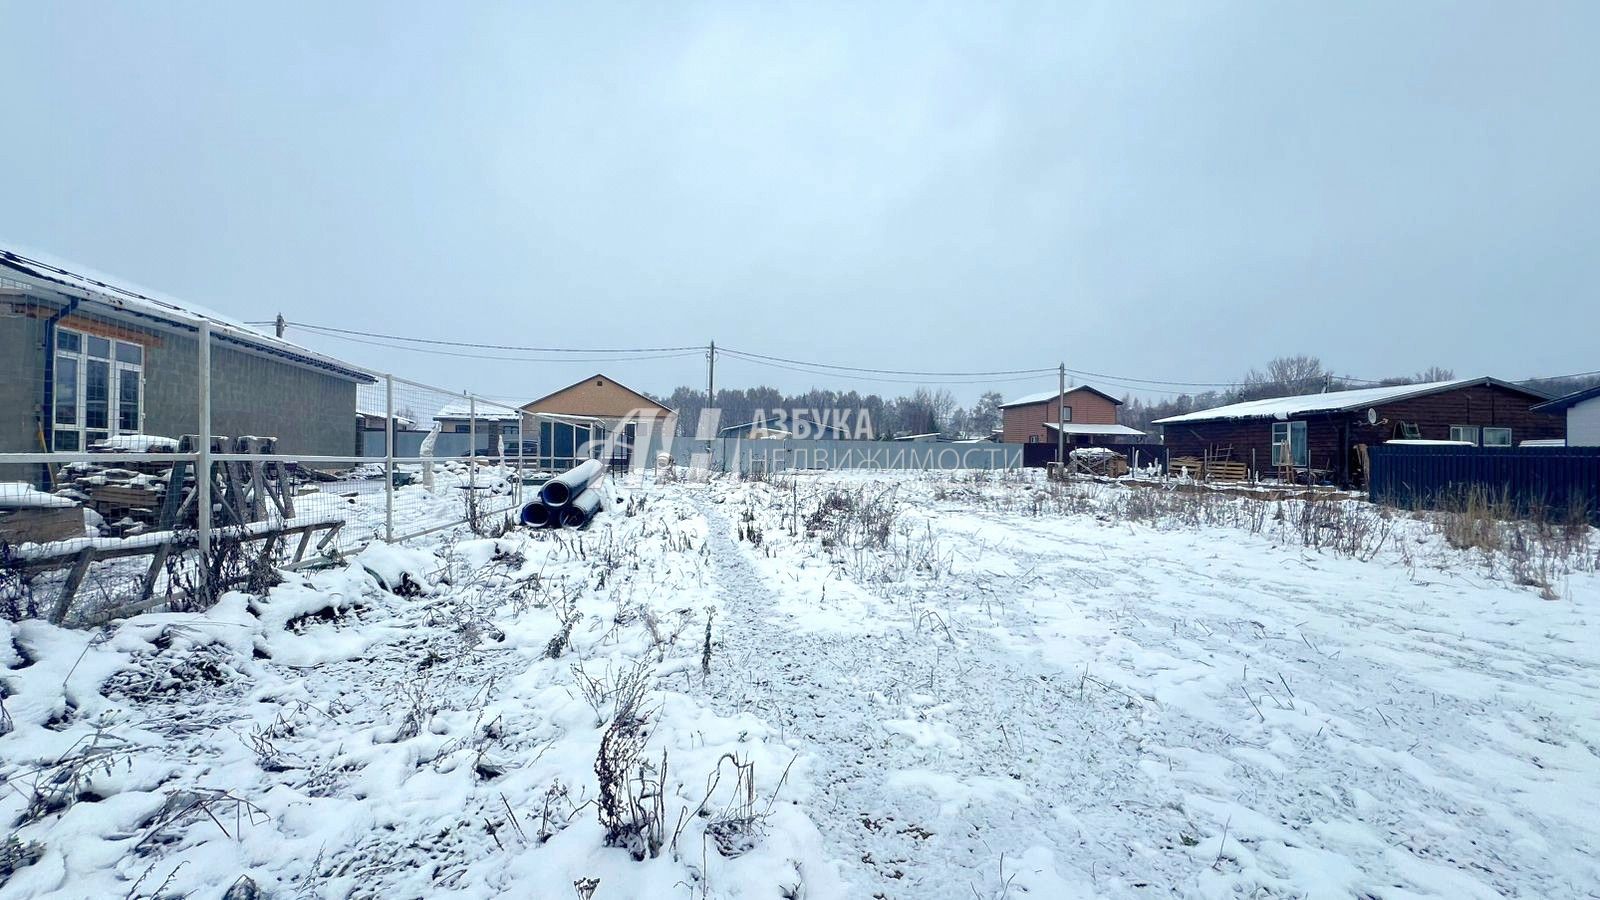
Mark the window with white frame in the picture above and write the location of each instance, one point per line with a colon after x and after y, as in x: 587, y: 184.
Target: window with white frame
x: 1497, y: 437
x: 1066, y: 413
x: 1289, y: 444
x: 98, y: 389
x: 1467, y: 433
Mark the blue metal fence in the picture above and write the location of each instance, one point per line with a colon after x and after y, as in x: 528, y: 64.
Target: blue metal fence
x: 1553, y: 478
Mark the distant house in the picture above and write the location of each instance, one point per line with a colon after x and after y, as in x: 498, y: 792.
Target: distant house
x: 1320, y: 432
x: 496, y: 429
x: 1086, y: 415
x: 1582, y: 412
x: 782, y: 427
x: 561, y: 424
x: 84, y: 359
x: 374, y: 418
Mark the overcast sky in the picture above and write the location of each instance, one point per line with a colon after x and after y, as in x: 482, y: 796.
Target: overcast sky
x: 1165, y: 190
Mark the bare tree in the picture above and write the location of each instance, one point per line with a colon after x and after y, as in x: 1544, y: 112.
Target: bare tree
x: 985, y: 417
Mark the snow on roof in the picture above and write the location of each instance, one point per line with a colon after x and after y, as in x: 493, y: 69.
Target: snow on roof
x: 1420, y: 442
x: 464, y: 410
x: 1051, y: 395
x: 42, y: 271
x: 1544, y: 442
x: 1076, y: 428
x: 563, y: 417
x: 1332, y: 401
x: 139, y: 443
x: 377, y: 409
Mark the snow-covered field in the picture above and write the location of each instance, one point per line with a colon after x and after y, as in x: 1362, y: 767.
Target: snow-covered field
x: 916, y: 685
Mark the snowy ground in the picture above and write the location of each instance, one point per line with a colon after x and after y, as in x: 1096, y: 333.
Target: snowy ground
x: 917, y: 686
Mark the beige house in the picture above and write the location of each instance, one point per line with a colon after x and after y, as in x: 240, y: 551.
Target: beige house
x: 581, y: 415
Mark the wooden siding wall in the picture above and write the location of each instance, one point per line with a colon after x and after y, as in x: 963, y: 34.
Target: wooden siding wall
x: 598, y: 397
x: 1088, y: 408
x: 1480, y: 405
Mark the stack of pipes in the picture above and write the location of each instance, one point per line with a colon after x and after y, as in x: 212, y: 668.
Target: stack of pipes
x: 569, y: 500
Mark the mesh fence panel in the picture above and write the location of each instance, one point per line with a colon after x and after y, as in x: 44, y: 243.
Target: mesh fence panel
x: 101, y: 455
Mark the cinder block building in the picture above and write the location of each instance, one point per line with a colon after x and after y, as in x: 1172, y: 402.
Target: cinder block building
x: 84, y: 359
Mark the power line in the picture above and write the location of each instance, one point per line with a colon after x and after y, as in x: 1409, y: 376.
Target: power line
x: 451, y: 353
x: 802, y: 362
x: 808, y: 367
x: 480, y: 346
x: 876, y: 378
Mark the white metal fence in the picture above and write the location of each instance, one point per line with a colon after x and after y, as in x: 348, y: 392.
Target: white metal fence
x: 112, y: 500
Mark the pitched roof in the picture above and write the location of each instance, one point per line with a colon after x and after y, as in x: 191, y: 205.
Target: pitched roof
x: 1336, y: 401
x: 1085, y: 428
x: 463, y: 409
x: 1567, y: 401
x: 33, y: 270
x: 614, y: 383
x: 1047, y: 396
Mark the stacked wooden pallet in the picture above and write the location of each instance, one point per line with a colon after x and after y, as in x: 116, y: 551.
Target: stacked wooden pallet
x: 126, y: 495
x: 1208, y: 469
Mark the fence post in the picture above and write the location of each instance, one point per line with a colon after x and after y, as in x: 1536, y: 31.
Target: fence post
x: 202, y: 467
x: 472, y: 460
x: 388, y: 460
x: 520, y: 439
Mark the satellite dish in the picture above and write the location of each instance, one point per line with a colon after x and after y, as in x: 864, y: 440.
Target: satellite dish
x: 1372, y: 416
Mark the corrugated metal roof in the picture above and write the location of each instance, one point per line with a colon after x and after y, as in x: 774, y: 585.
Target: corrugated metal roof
x: 1333, y: 401
x: 1566, y: 402
x: 1084, y: 428
x: 1051, y: 395
x: 72, y: 280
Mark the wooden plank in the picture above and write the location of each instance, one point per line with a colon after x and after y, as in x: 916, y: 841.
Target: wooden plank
x: 300, y: 551
x: 328, y: 538
x: 70, y: 588
x: 157, y: 561
x: 41, y: 525
x: 173, y: 501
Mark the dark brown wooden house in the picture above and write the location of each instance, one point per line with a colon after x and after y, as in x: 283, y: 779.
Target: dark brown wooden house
x: 1320, y: 433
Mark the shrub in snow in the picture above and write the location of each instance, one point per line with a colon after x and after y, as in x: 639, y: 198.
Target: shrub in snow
x: 632, y: 800
x: 15, y: 854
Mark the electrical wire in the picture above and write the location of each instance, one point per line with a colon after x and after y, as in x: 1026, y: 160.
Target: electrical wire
x: 481, y: 346
x: 451, y: 353
x: 748, y: 354
x: 878, y: 378
x: 809, y: 367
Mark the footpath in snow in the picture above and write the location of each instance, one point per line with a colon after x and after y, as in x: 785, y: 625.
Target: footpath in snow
x: 1116, y: 708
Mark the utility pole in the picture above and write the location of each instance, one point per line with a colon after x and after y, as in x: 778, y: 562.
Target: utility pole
x: 1061, y: 422
x: 711, y: 376
x: 280, y: 323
